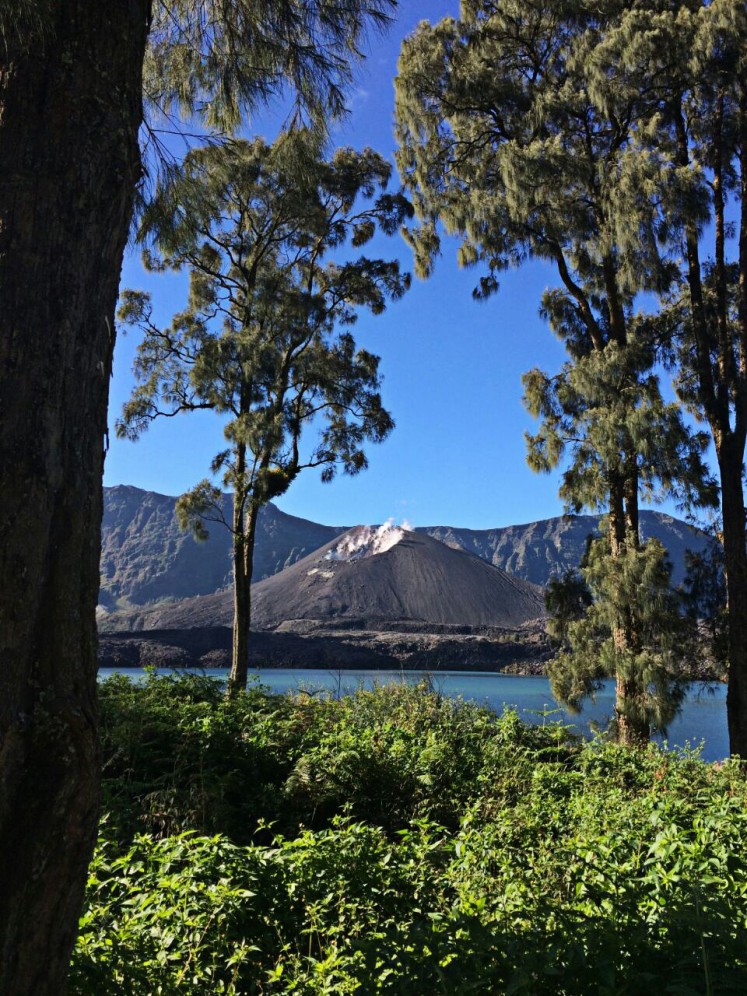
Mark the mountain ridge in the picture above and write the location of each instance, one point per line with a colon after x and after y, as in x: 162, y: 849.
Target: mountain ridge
x: 146, y: 558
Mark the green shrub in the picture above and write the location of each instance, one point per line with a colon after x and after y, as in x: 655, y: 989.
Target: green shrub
x: 445, y: 850
x: 178, y: 755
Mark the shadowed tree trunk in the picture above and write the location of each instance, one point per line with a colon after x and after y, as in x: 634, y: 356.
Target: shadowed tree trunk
x: 70, y: 110
x: 735, y: 560
x: 242, y: 601
x: 632, y: 728
x: 722, y: 384
x: 244, y: 531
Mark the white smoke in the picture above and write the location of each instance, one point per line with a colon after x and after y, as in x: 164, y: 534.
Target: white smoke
x: 367, y: 541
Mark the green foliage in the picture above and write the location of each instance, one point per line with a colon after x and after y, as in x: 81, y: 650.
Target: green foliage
x: 514, y: 133
x: 177, y: 755
x: 261, y: 339
x: 566, y: 600
x: 219, y: 61
x: 631, y: 592
x: 391, y: 756
x: 704, y: 601
x: 605, y: 411
x: 268, y: 234
x: 525, y: 862
x: 520, y: 131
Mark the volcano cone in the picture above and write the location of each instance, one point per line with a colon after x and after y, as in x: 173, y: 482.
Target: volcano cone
x: 394, y: 575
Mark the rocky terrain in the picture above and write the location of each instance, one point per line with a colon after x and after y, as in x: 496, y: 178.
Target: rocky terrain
x: 523, y: 651
x: 146, y: 558
x: 538, y: 550
x: 368, y: 578
x: 376, y: 597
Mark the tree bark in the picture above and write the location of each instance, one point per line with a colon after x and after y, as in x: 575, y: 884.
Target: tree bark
x: 242, y: 601
x: 719, y: 381
x: 632, y: 730
x: 70, y: 111
x: 730, y: 458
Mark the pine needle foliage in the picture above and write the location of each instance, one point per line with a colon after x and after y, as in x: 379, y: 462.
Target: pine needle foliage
x: 218, y: 60
x: 631, y: 592
x: 519, y: 134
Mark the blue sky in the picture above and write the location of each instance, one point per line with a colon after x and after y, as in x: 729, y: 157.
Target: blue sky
x: 452, y: 373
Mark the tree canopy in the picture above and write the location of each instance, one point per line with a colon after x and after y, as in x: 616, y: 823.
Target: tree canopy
x: 217, y: 61
x: 518, y: 132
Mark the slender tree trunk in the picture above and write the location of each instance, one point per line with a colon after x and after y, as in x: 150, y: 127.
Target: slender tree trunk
x: 735, y: 556
x: 632, y: 729
x: 731, y: 464
x: 242, y: 602
x: 70, y: 110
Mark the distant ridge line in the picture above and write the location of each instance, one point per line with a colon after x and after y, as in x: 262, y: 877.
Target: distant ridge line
x: 145, y: 558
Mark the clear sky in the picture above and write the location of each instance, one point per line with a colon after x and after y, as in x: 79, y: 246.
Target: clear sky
x: 451, y: 366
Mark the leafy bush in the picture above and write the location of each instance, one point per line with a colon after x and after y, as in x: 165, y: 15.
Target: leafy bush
x: 178, y: 755
x: 446, y: 850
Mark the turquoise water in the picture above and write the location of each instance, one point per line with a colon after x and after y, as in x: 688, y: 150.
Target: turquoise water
x: 702, y: 720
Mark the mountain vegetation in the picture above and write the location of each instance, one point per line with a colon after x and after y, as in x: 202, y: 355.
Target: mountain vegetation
x: 542, y: 131
x: 399, y: 842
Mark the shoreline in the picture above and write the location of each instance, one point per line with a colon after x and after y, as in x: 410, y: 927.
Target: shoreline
x: 512, y: 652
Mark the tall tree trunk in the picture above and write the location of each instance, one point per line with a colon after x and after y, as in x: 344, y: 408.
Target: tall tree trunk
x: 731, y: 464
x: 242, y: 602
x: 632, y: 728
x: 730, y: 459
x: 718, y: 382
x: 70, y: 110
x: 632, y: 731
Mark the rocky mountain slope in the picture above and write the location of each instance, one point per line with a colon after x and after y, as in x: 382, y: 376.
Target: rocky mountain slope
x: 145, y: 557
x: 538, y: 550
x: 390, y: 574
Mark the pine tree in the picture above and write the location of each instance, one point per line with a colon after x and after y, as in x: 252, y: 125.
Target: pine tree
x: 71, y: 109
x: 691, y: 60
x: 600, y: 405
x: 630, y: 593
x: 263, y: 340
x: 514, y: 137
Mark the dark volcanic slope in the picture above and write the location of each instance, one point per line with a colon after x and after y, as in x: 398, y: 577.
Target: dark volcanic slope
x: 418, y: 579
